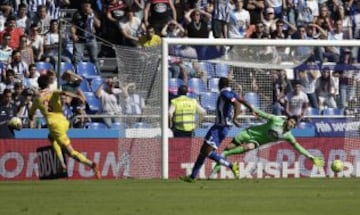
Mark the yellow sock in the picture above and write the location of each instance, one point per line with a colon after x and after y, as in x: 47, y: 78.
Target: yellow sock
x: 80, y: 157
x: 58, y: 151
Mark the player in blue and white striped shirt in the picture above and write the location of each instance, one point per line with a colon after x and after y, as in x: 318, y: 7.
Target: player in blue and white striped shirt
x: 227, y: 109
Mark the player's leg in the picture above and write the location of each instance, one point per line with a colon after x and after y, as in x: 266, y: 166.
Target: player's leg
x: 241, y: 143
x: 212, y: 140
x: 61, y: 137
x: 237, y: 146
x: 82, y: 159
x: 58, y: 151
x: 204, y: 151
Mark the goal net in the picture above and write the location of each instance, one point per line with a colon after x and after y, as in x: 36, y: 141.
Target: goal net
x: 255, y: 68
x: 139, y: 147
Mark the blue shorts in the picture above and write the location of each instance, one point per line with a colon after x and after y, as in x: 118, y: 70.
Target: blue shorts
x: 216, y: 135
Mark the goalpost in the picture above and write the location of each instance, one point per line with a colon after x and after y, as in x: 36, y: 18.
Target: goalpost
x: 243, y: 58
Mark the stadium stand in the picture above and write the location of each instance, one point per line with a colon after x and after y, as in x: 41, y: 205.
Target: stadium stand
x: 40, y: 66
x: 174, y: 84
x: 332, y: 111
x: 119, y: 125
x: 95, y: 125
x: 253, y: 98
x: 84, y: 86
x: 222, y: 70
x: 95, y: 83
x: 312, y: 111
x: 141, y: 125
x: 208, y: 100
x: 87, y: 69
x: 208, y: 67
x: 213, y: 84
x: 64, y: 66
x: 92, y: 101
x: 197, y: 86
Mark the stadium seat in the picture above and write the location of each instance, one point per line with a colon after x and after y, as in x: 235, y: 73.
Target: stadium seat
x: 197, y: 86
x: 193, y: 96
x: 87, y: 69
x: 95, y: 83
x: 141, y: 125
x: 253, y: 98
x: 84, y: 86
x: 213, y: 85
x: 206, y: 125
x: 119, y: 125
x: 208, y: 67
x: 66, y: 66
x: 41, y: 65
x: 173, y: 85
x: 222, y: 70
x: 93, y: 102
x: 303, y: 125
x: 208, y: 100
x: 95, y: 125
x: 312, y: 111
x: 332, y: 111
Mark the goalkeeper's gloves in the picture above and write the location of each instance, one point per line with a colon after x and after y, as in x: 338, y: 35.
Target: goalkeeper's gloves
x: 318, y: 161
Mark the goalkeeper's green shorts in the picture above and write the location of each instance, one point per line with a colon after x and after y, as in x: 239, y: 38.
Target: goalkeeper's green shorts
x: 245, y: 137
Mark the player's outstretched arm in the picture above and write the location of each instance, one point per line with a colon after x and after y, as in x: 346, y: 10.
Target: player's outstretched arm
x: 237, y: 111
x: 262, y: 114
x: 317, y: 161
x: 73, y: 95
x: 246, y: 103
x: 31, y: 113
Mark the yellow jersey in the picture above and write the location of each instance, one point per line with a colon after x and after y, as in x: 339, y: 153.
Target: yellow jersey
x: 155, y: 40
x: 49, y: 104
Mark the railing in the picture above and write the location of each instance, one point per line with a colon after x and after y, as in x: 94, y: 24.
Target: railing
x: 208, y: 118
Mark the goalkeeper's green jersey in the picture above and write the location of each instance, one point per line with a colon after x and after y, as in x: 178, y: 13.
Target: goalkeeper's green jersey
x: 271, y: 131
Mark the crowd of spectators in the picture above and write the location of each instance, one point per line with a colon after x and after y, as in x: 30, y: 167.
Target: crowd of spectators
x: 318, y: 89
x: 29, y: 33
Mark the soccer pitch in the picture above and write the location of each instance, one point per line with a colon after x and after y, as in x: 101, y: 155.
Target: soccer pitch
x: 205, y: 197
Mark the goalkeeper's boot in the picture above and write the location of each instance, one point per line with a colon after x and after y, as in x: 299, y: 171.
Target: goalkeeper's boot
x: 96, y: 170
x: 215, y: 171
x: 187, y: 179
x: 235, y: 170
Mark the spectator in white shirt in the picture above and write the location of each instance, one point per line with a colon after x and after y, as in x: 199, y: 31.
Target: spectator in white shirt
x: 129, y: 28
x: 5, y: 49
x: 31, y: 81
x: 22, y: 20
x: 308, y: 79
x: 239, y: 21
x: 37, y: 42
x: 110, y: 101
x: 296, y: 102
x: 134, y: 103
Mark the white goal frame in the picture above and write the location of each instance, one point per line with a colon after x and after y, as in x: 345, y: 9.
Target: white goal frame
x: 223, y: 42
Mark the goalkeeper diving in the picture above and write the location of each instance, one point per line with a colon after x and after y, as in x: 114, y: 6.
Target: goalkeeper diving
x: 275, y: 129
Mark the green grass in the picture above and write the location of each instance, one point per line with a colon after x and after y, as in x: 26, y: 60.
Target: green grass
x: 172, y: 197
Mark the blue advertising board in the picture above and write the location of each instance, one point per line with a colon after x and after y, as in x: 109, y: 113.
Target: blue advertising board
x: 335, y: 127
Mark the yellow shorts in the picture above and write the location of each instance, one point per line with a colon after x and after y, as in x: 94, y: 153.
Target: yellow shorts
x: 58, y: 127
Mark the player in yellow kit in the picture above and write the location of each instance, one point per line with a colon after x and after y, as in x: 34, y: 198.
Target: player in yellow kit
x: 48, y: 102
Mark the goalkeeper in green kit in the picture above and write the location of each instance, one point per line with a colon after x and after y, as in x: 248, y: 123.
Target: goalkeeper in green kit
x: 276, y: 128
